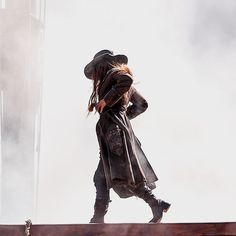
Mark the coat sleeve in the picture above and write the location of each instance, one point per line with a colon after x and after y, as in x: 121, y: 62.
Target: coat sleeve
x: 139, y: 104
x: 121, y: 84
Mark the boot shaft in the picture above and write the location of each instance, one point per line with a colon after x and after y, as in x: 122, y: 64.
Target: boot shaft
x: 100, y: 209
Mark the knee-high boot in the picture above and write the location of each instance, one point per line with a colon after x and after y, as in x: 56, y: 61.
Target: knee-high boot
x: 100, y: 209
x: 158, y: 206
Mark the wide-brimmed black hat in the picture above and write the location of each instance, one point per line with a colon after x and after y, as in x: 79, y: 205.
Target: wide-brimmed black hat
x: 104, y: 55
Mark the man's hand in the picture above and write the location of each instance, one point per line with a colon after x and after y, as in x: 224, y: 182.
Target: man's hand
x: 101, y: 105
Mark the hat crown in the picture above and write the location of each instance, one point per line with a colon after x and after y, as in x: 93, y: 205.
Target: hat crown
x: 103, y: 52
x: 104, y: 55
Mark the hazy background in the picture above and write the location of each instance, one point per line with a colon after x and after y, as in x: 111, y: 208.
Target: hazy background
x: 183, y: 56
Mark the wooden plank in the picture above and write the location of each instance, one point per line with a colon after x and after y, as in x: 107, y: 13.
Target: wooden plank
x: 12, y: 230
x: 165, y: 229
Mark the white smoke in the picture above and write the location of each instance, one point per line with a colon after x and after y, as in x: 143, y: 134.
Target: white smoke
x: 182, y: 54
x: 21, y: 77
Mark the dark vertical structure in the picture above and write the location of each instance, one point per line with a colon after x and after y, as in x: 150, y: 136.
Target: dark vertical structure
x: 21, y: 49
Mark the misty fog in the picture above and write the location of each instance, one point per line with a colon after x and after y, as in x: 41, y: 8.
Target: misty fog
x: 182, y: 54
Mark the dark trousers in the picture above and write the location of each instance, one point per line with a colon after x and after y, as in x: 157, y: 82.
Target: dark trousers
x: 99, y: 180
x: 142, y: 191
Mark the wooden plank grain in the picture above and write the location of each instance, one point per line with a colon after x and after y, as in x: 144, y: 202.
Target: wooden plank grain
x: 12, y: 230
x: 165, y: 229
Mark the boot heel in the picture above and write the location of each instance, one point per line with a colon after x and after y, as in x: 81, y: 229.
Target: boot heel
x: 165, y: 206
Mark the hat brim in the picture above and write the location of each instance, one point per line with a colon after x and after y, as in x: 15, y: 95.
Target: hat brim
x: 121, y: 59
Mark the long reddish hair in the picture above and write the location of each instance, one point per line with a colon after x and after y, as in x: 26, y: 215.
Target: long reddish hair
x: 99, y: 73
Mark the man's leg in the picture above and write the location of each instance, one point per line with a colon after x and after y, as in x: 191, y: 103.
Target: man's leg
x: 102, y: 195
x: 158, y: 206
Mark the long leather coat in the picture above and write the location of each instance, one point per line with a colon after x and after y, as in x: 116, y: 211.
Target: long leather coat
x: 125, y: 164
